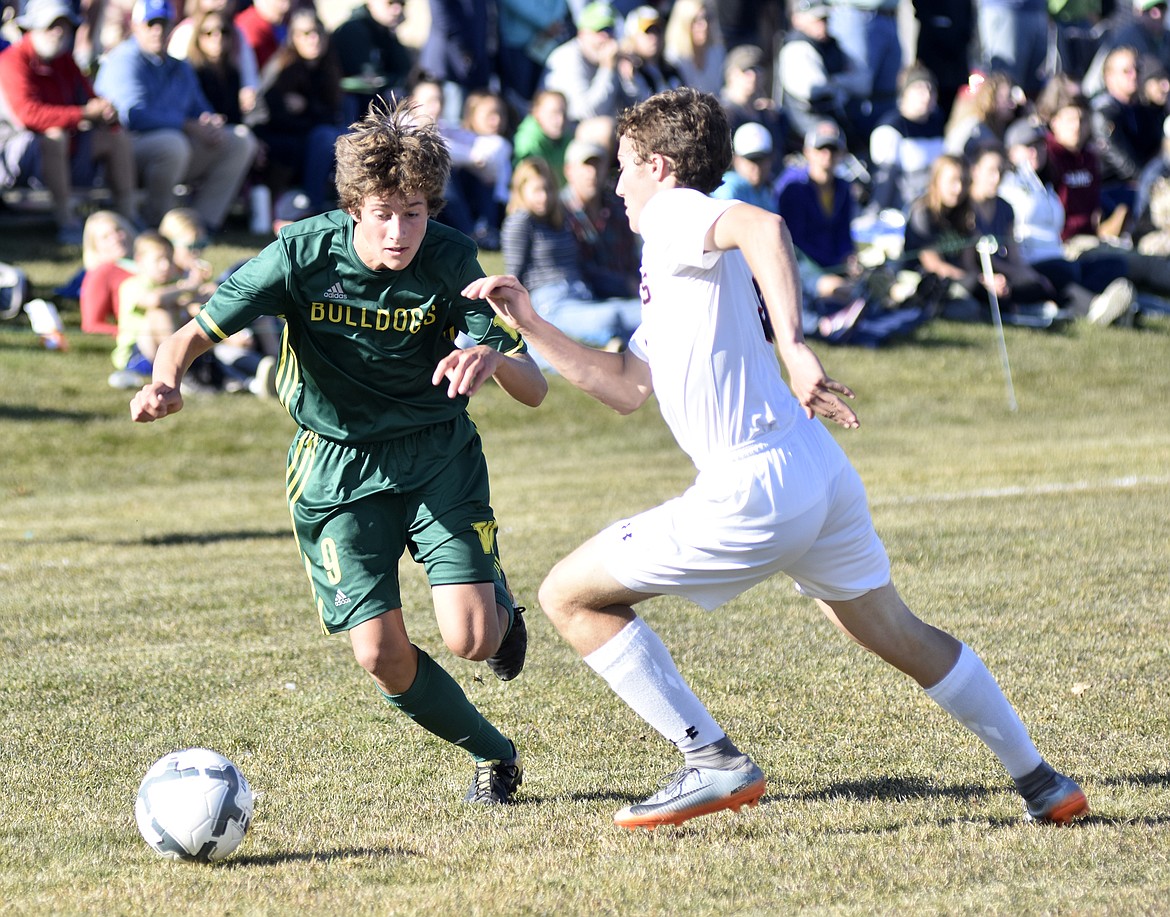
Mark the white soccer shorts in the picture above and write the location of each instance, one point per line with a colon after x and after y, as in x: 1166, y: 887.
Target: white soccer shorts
x: 796, y: 506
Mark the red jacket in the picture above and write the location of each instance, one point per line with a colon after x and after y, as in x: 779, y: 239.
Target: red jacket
x: 43, y: 94
x: 264, y: 37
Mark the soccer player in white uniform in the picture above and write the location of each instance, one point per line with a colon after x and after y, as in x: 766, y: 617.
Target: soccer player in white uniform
x: 774, y: 493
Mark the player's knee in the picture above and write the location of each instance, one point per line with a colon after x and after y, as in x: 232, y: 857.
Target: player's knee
x: 386, y: 662
x: 469, y: 645
x: 554, y: 597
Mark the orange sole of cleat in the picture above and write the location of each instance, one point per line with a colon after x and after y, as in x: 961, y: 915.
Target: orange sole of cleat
x: 749, y: 796
x: 1073, y: 807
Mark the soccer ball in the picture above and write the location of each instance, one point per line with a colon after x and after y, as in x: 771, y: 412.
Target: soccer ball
x: 193, y: 805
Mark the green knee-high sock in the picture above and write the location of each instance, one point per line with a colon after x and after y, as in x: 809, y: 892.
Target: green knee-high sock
x: 437, y: 703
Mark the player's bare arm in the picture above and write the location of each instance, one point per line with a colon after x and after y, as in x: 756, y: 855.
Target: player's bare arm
x: 161, y: 396
x: 467, y: 370
x: 618, y: 380
x: 767, y: 246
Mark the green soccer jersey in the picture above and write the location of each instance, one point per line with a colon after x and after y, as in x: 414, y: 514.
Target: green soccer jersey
x: 360, y: 346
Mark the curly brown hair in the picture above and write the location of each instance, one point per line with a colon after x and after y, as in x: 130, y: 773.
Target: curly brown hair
x: 687, y: 127
x: 389, y: 152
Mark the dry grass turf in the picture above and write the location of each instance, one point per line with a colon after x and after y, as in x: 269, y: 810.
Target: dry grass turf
x: 151, y: 598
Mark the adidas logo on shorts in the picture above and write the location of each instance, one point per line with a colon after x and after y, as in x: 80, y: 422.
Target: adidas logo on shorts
x: 340, y: 599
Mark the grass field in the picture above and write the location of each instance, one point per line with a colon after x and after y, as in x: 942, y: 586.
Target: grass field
x: 151, y: 598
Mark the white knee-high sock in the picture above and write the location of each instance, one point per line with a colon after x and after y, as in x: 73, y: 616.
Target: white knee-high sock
x: 971, y: 695
x: 638, y: 667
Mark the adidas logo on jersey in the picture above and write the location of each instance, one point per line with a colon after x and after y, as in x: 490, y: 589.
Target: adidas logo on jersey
x: 335, y: 292
x: 340, y: 599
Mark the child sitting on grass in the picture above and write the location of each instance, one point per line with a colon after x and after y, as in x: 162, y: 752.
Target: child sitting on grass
x: 153, y: 301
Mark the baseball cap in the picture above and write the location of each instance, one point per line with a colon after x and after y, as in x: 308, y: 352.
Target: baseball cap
x: 579, y: 151
x: 40, y: 14
x: 752, y: 140
x: 596, y: 16
x: 818, y: 8
x: 824, y: 134
x: 150, y: 10
x: 743, y: 57
x: 291, y: 206
x: 1145, y: 5
x: 1023, y: 132
x: 642, y: 18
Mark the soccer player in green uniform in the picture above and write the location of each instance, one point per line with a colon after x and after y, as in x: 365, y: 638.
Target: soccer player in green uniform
x: 385, y: 457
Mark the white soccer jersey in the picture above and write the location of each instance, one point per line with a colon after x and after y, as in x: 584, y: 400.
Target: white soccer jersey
x: 716, y: 376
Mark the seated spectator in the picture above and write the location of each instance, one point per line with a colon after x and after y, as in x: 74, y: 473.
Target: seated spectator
x: 941, y: 237
x: 608, y: 250
x: 584, y: 68
x: 303, y: 110
x: 540, y: 249
x: 106, y: 23
x: 1141, y: 25
x: 817, y: 204
x: 1157, y: 169
x: 601, y: 131
x: 744, y: 95
x: 750, y: 177
x: 241, y: 55
x: 542, y: 131
x: 1092, y: 288
x: 481, y: 164
x: 373, y: 60
x: 694, y: 44
x: 176, y: 135
x: 815, y: 78
x: 1073, y: 171
x: 1016, y: 283
x: 153, y: 301
x: 981, y: 115
x: 906, y: 143
x: 642, y: 67
x: 239, y: 356
x: 1020, y: 282
x: 264, y: 25
x: 105, y: 254
x: 212, y: 53
x: 1070, y: 165
x: 44, y: 91
x: 470, y: 193
x: 1153, y: 95
x: 1116, y: 127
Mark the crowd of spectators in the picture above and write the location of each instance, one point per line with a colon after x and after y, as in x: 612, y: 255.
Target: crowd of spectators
x: 838, y: 120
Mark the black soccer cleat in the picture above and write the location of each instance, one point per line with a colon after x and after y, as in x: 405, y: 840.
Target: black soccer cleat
x: 508, y: 660
x: 496, y: 781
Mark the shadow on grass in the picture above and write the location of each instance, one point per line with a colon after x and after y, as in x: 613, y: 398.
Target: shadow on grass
x: 201, y: 538
x: 19, y: 412
x: 319, y: 856
x: 1157, y: 778
x: 892, y: 788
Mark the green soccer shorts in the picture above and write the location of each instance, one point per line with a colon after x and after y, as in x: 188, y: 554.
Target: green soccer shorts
x: 357, y: 508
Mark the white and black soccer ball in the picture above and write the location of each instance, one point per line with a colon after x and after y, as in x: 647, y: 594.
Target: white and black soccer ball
x: 194, y: 805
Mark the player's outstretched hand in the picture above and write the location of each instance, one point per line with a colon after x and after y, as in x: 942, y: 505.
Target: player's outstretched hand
x: 467, y: 370
x: 508, y: 297
x: 816, y: 392
x: 155, y: 401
